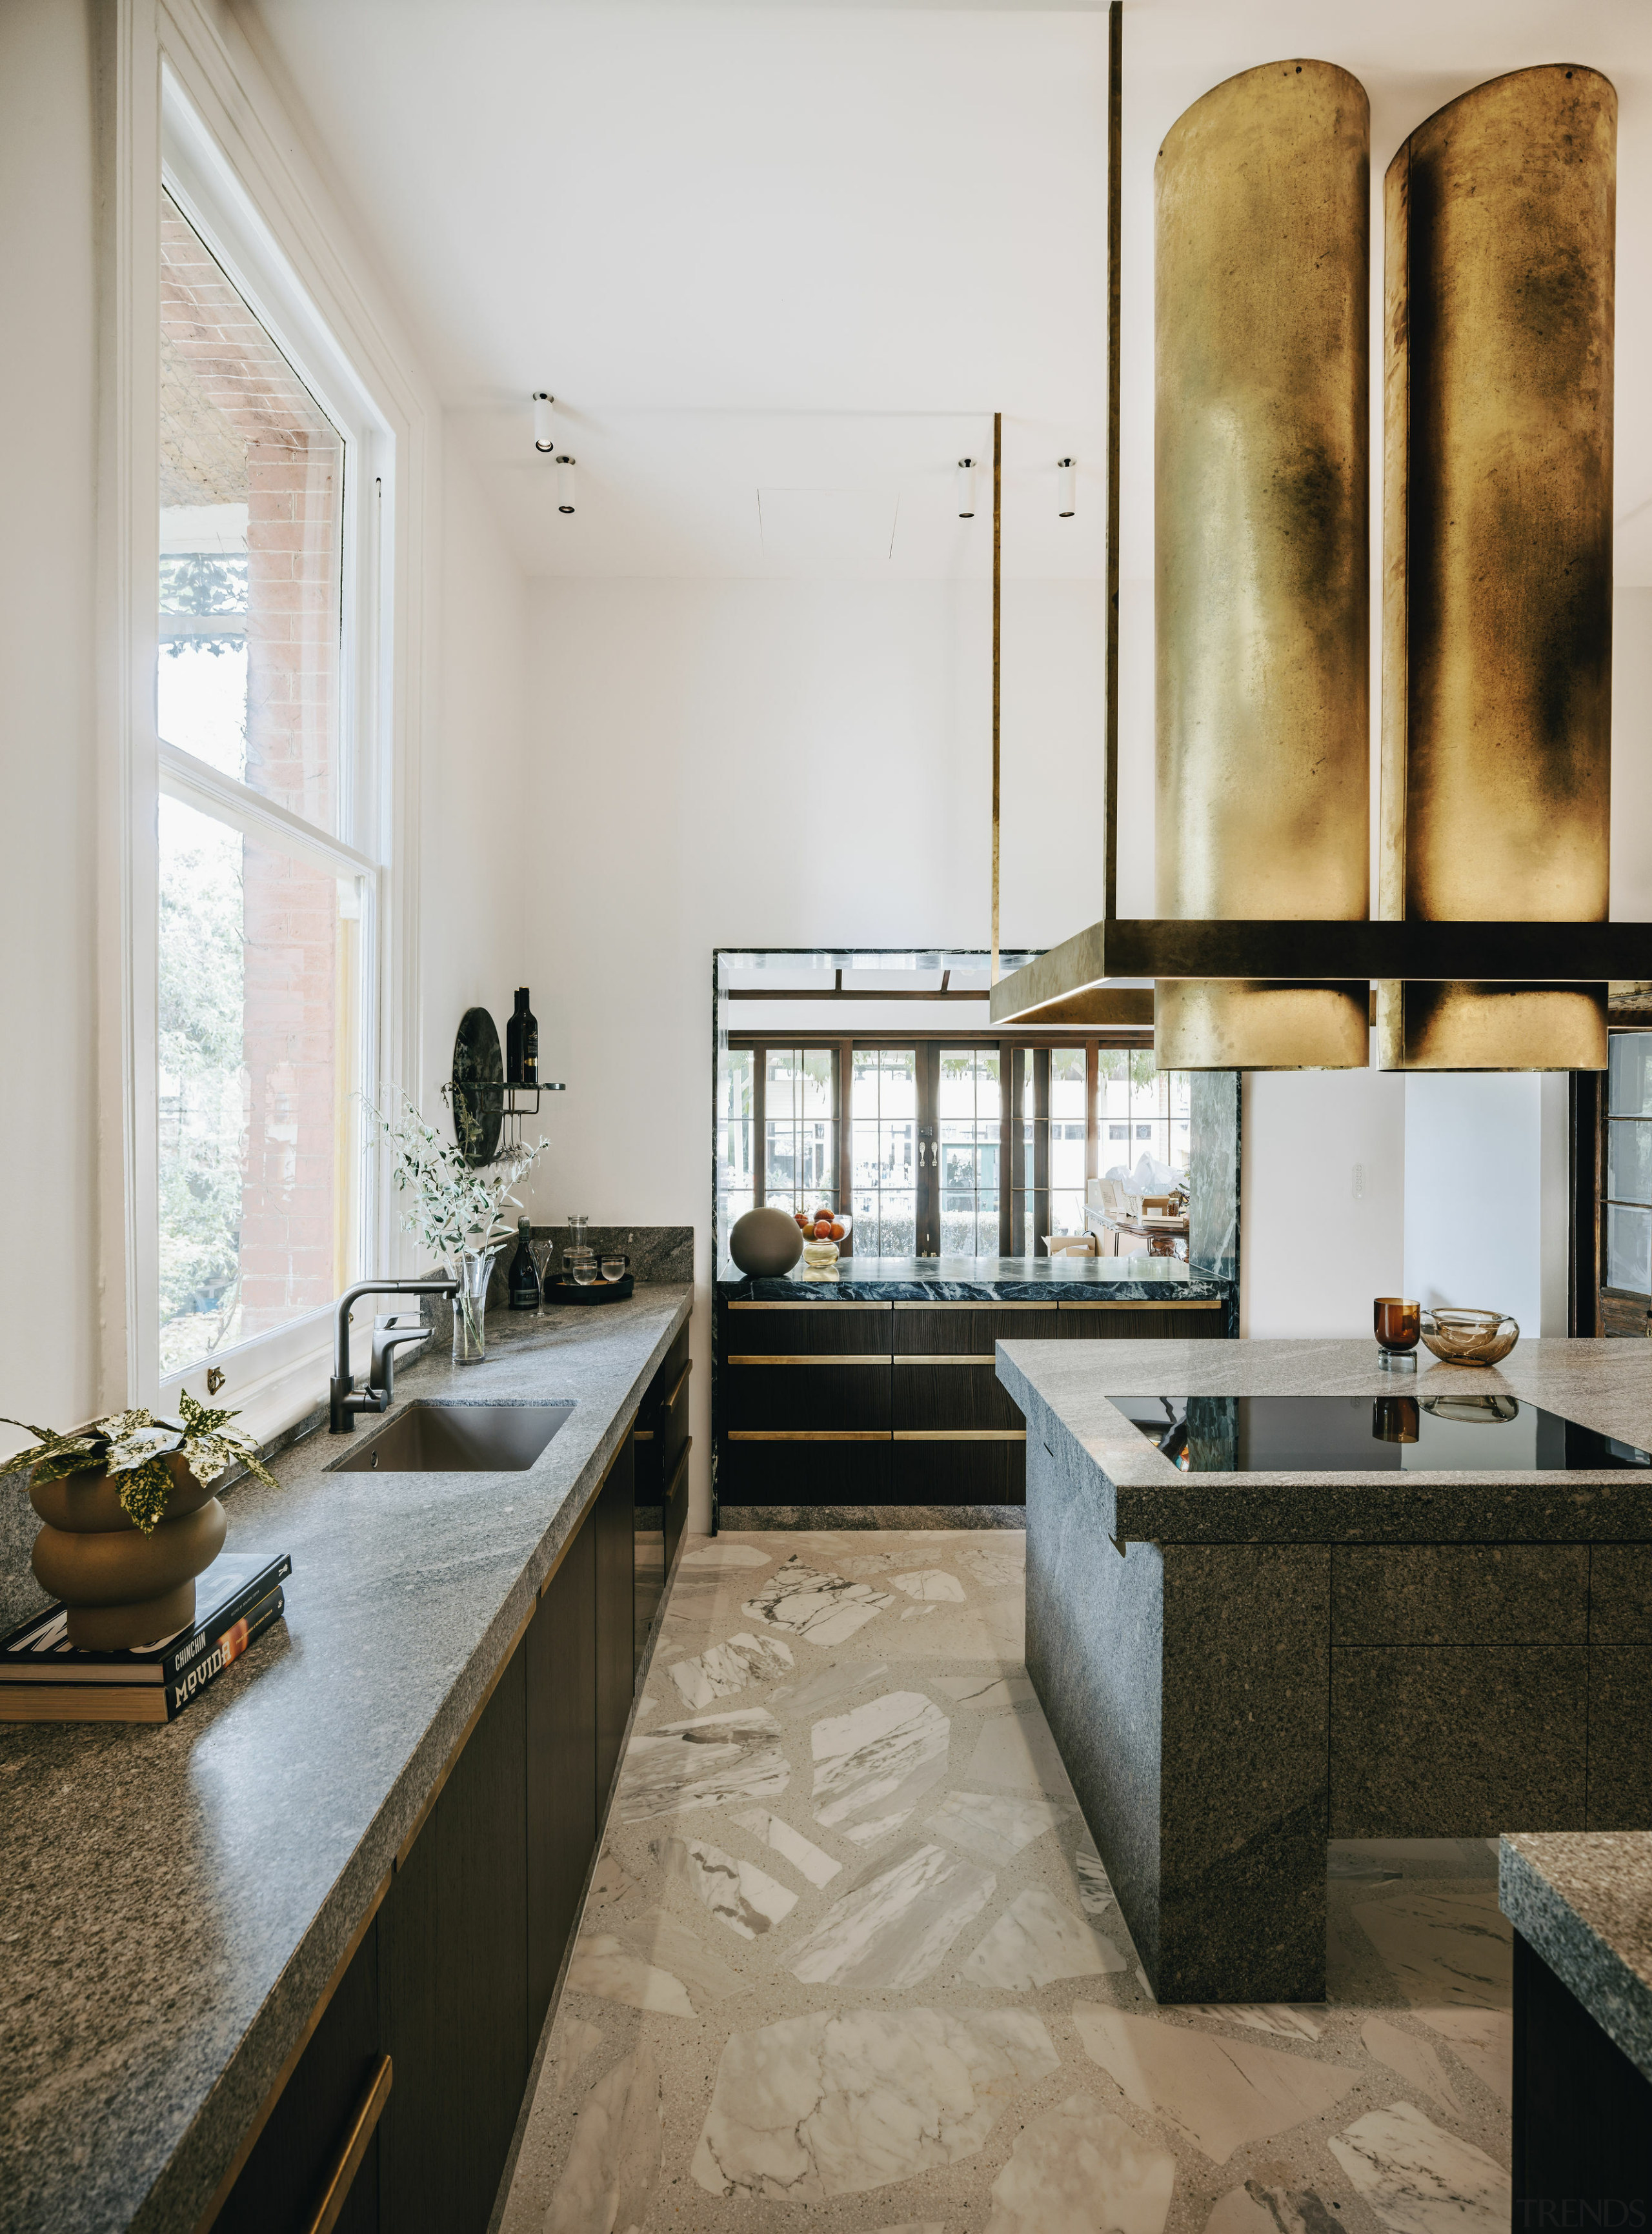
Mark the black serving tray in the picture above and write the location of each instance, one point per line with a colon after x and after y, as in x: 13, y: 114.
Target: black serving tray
x: 599, y: 1291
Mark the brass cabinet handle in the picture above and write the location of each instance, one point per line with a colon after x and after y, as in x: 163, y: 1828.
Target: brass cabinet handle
x: 348, y: 2162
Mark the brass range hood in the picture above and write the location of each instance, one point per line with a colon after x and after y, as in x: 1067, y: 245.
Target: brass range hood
x: 1490, y: 949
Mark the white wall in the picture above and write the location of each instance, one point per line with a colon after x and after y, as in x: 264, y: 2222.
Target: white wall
x: 1486, y: 1194
x: 49, y: 1363
x: 477, y: 872
x: 1323, y: 1199
x: 1632, y: 756
x: 773, y: 763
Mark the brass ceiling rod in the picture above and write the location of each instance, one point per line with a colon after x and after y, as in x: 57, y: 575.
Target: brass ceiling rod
x: 1115, y: 172
x: 997, y: 587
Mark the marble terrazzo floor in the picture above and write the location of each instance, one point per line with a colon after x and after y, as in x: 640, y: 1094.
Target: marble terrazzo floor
x: 850, y: 1961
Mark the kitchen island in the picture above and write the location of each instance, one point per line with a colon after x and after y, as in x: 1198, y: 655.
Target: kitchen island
x: 870, y: 1389
x: 364, y: 1844
x: 1238, y: 1665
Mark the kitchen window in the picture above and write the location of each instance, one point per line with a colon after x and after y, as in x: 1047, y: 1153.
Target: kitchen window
x: 267, y: 864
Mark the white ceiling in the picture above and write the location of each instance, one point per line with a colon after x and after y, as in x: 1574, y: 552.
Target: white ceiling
x: 780, y: 263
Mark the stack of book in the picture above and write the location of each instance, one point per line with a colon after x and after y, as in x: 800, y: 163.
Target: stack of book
x: 44, y: 1678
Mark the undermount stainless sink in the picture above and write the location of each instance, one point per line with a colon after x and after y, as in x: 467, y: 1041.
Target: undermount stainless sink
x: 428, y: 1437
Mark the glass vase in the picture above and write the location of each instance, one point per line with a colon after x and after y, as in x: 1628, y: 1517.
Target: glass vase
x: 470, y: 1306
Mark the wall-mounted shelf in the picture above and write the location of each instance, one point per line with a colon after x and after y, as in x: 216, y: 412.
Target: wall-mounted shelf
x: 488, y: 1108
x: 501, y: 1094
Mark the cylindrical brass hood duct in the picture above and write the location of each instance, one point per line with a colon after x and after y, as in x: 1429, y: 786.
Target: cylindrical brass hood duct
x: 1262, y: 440
x: 1498, y: 553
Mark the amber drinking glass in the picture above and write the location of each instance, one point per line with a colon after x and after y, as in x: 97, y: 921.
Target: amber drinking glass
x: 1398, y: 1323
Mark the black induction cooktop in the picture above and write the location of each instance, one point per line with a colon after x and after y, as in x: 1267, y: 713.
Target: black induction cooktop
x: 1494, y: 1433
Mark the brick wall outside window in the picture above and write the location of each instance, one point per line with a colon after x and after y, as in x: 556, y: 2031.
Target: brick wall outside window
x: 239, y: 428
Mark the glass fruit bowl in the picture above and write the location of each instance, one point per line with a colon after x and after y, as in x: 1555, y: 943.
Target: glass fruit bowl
x: 1460, y: 1336
x: 822, y: 1231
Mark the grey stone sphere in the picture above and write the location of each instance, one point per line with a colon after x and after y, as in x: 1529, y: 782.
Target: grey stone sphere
x: 766, y: 1243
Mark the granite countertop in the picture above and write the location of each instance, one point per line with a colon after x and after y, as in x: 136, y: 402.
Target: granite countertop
x: 173, y: 1900
x: 1582, y: 1900
x: 981, y: 1280
x: 1063, y: 1389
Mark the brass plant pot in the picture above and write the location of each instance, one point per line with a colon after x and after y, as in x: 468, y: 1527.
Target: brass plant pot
x: 120, y: 1587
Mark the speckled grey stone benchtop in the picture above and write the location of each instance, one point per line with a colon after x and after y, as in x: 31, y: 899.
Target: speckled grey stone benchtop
x: 984, y: 1280
x: 1584, y: 1901
x: 1063, y: 1389
x: 173, y: 1900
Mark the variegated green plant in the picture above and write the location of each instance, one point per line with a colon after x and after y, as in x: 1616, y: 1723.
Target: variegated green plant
x: 135, y: 1446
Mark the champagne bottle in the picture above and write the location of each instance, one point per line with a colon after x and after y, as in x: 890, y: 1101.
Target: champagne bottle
x: 523, y: 1281
x: 522, y: 1043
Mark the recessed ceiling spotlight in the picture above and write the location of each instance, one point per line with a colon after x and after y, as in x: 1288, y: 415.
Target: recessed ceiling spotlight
x: 1066, y: 488
x: 545, y: 433
x: 966, y: 488
x: 565, y: 483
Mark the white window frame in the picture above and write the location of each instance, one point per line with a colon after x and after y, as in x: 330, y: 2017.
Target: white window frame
x: 192, y: 108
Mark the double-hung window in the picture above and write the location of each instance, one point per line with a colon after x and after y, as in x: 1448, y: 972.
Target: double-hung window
x: 268, y: 854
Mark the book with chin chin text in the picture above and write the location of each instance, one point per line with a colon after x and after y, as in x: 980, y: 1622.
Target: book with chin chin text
x: 43, y: 1678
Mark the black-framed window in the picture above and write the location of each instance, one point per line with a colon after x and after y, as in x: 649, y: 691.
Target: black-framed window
x: 931, y: 1156
x: 1626, y: 1166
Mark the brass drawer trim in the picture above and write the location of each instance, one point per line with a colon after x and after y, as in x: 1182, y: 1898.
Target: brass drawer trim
x: 955, y: 1306
x: 817, y: 1357
x: 807, y: 1307
x: 951, y: 1358
x: 807, y: 1434
x: 960, y: 1435
x: 1189, y: 1304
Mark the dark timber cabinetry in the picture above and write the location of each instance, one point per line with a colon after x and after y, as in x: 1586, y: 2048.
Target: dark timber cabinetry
x: 894, y: 1403
x: 400, y: 2103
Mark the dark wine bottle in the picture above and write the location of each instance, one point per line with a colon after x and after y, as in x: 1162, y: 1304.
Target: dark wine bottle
x: 522, y: 1043
x: 523, y: 1281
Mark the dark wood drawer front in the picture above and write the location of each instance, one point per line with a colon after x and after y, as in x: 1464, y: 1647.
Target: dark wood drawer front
x: 1459, y: 1593
x: 559, y: 1653
x: 969, y: 1329
x: 1142, y: 1322
x: 677, y: 1504
x: 768, y: 1470
x: 804, y: 1330
x: 613, y: 1522
x: 951, y: 1392
x: 830, y: 1393
x: 454, y: 1984
x: 1582, y: 2112
x: 284, y: 2179
x: 933, y: 1472
x: 672, y: 1429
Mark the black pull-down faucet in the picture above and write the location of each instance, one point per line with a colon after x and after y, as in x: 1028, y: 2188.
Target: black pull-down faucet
x: 345, y: 1399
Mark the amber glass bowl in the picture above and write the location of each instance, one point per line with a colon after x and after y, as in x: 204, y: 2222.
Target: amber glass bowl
x: 1397, y: 1321
x: 1458, y: 1336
